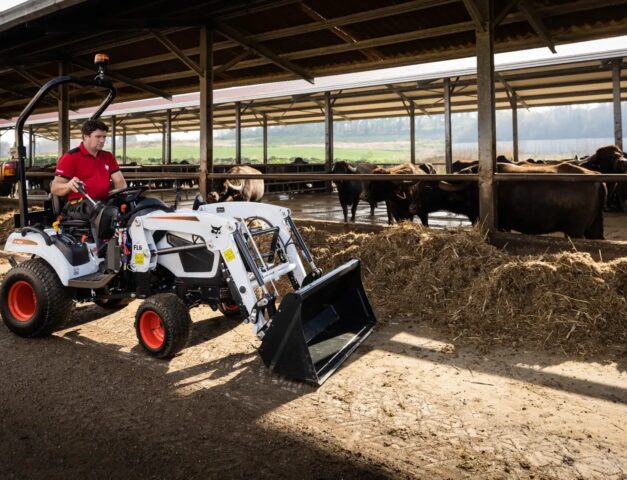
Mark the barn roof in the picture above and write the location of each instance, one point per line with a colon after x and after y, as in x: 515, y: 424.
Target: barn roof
x: 155, y: 49
x: 575, y: 79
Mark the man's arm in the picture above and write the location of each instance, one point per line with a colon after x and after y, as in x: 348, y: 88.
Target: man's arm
x: 118, y: 180
x: 61, y: 186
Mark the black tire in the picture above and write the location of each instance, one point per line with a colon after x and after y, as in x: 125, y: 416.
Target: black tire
x: 34, y: 301
x: 112, y: 303
x: 231, y: 310
x: 163, y: 325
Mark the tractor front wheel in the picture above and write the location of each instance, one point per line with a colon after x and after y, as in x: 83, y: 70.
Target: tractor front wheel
x: 34, y: 301
x: 163, y: 325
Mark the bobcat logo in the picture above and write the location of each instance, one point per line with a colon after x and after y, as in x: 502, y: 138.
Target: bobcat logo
x: 215, y: 230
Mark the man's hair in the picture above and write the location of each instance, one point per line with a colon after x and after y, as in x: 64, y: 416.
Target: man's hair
x: 91, y: 126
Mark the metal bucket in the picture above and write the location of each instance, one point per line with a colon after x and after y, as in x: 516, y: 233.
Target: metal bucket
x: 317, y: 327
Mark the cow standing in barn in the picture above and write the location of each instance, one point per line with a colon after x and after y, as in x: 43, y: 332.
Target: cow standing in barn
x: 397, y: 195
x: 350, y: 191
x: 531, y: 207
x: 610, y: 159
x: 241, y: 189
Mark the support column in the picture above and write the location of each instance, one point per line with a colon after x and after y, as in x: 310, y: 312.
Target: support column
x: 124, y: 145
x: 485, y: 98
x: 514, y: 104
x: 265, y: 139
x: 448, y: 137
x: 412, y: 133
x: 163, y: 147
x: 114, y: 131
x: 618, y: 121
x: 206, y: 108
x: 168, y: 136
x: 31, y: 146
x: 238, y: 133
x: 328, y: 135
x: 64, y: 112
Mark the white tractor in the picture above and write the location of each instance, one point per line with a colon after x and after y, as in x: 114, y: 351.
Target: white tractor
x: 227, y: 255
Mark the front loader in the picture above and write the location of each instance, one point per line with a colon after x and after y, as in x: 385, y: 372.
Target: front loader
x: 237, y: 257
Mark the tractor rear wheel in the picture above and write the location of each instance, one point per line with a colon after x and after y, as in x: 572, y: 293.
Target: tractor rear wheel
x: 163, y: 325
x: 34, y: 301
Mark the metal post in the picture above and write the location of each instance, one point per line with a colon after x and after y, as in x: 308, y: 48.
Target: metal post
x: 485, y: 99
x: 163, y: 135
x: 168, y: 136
x: 124, y: 145
x: 206, y: 108
x: 514, y: 103
x: 114, y: 127
x: 238, y: 133
x: 31, y: 146
x: 64, y: 112
x: 618, y: 122
x: 448, y: 137
x: 328, y: 135
x: 412, y: 132
x: 265, y: 139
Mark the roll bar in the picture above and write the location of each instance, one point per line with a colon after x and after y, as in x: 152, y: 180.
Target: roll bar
x: 99, y: 81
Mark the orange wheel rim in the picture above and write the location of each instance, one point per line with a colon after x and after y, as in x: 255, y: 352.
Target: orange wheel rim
x: 22, y: 301
x: 151, y: 329
x: 230, y: 307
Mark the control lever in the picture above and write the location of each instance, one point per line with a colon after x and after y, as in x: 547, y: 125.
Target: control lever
x: 81, y: 190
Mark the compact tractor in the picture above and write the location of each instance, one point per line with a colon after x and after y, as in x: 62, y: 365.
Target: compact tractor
x: 232, y: 256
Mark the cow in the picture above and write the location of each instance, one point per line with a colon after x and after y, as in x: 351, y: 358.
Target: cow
x: 240, y: 189
x: 610, y: 159
x: 531, y: 207
x: 459, y: 165
x: 397, y: 195
x: 350, y: 191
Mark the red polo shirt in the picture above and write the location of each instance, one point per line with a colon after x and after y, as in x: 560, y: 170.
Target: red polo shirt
x: 95, y: 172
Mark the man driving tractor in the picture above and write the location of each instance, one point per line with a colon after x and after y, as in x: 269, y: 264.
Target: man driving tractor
x: 90, y: 165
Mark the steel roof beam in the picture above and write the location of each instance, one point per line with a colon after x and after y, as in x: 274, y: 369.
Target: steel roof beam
x: 178, y: 53
x: 339, y: 32
x: 506, y: 9
x: 471, y: 8
x: 260, y: 49
x: 536, y: 23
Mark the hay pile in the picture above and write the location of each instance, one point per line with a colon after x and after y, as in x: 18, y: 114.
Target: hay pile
x: 479, y: 294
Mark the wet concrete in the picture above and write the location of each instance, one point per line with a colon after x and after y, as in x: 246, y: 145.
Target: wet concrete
x: 326, y: 207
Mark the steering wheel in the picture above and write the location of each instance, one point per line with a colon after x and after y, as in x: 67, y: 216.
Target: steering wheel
x: 130, y: 197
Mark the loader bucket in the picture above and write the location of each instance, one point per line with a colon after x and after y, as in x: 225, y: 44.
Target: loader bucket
x: 317, y: 327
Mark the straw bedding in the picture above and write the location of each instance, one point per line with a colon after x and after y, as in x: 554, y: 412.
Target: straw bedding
x: 479, y: 294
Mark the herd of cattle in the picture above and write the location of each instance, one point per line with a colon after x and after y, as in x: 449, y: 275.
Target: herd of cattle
x: 532, y: 207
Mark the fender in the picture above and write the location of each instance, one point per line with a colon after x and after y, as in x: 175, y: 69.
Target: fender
x: 34, y: 244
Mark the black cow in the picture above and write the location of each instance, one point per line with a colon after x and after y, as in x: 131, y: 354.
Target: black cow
x: 531, y: 207
x: 610, y: 159
x: 350, y: 191
x: 397, y: 195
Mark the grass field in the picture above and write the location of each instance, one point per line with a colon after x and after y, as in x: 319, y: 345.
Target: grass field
x: 391, y: 152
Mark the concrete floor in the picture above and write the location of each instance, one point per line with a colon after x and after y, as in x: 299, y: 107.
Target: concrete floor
x: 326, y: 206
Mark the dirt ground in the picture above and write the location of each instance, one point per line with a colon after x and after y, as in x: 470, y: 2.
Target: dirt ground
x: 87, y: 403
